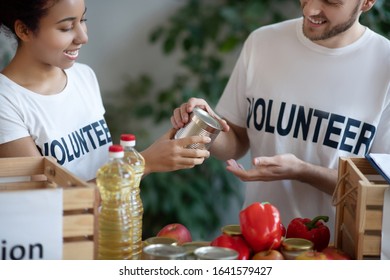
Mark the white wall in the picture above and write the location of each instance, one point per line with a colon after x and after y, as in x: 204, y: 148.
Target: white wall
x: 118, y: 40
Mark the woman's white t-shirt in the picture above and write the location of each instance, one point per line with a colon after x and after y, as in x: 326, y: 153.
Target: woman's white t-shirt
x: 69, y: 126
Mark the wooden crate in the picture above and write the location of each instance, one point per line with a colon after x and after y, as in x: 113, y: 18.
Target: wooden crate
x: 359, y: 197
x: 79, y: 200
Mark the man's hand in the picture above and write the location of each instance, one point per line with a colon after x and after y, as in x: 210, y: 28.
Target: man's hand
x: 274, y: 168
x: 181, y: 115
x: 286, y: 167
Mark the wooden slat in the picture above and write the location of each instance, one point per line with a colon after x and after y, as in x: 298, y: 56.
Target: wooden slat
x: 339, y: 191
x: 60, y: 175
x: 15, y: 186
x: 349, y: 224
x: 79, y: 198
x: 21, y: 166
x: 347, y: 244
x: 361, y: 166
x: 80, y: 250
x: 373, y: 219
x: 371, y: 245
x: 78, y: 225
x: 375, y: 194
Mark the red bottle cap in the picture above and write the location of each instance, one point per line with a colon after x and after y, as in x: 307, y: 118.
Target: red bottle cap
x: 127, y: 137
x: 115, y: 149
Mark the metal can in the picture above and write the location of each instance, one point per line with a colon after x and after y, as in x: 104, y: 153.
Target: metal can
x: 192, y: 246
x: 160, y: 240
x: 292, y: 247
x: 231, y: 230
x: 164, y: 252
x: 215, y: 253
x: 201, y: 123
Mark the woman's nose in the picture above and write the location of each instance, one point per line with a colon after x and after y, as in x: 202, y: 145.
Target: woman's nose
x: 81, y: 34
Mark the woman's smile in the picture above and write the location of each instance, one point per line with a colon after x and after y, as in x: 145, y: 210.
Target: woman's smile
x: 72, y: 54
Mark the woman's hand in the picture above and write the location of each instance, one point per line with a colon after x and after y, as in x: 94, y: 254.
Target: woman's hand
x: 181, y: 115
x: 168, y: 154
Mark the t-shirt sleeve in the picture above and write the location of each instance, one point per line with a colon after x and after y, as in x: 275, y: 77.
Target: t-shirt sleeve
x: 232, y: 106
x: 12, y: 126
x: 381, y: 143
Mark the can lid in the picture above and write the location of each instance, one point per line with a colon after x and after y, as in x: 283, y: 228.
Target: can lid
x: 297, y: 244
x: 165, y: 250
x: 160, y: 240
x: 216, y: 253
x: 193, y: 245
x: 232, y: 229
x: 207, y: 118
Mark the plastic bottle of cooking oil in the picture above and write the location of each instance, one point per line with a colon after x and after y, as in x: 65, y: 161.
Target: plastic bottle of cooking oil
x: 137, y: 162
x: 115, y: 181
x: 132, y: 156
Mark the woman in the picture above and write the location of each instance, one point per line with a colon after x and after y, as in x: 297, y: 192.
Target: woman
x: 51, y: 105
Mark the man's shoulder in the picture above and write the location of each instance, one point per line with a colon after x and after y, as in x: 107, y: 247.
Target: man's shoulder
x: 281, y: 32
x: 282, y: 26
x: 379, y: 37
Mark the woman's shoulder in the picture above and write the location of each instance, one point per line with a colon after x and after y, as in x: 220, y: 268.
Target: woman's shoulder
x: 81, y: 71
x: 80, y: 68
x: 7, y: 86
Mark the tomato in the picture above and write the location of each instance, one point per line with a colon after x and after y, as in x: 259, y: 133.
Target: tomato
x: 261, y: 226
x: 235, y: 242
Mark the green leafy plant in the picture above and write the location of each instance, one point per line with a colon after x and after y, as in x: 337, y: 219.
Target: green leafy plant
x: 378, y: 19
x: 206, y: 34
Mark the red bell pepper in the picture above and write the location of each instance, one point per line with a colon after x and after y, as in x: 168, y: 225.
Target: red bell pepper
x: 261, y: 226
x: 235, y: 242
x: 314, y: 230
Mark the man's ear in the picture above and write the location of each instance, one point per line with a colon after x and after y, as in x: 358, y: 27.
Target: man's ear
x: 367, y: 5
x: 21, y: 30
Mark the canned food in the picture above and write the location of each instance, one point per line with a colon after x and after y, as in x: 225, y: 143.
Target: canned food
x: 192, y: 246
x: 160, y: 240
x: 232, y: 230
x: 164, y: 252
x: 292, y: 247
x: 201, y: 123
x: 215, y: 253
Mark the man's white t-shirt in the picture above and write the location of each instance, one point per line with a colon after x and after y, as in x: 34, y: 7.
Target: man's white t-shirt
x: 69, y: 126
x: 294, y: 96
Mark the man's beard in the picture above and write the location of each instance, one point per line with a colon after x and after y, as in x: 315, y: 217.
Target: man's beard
x: 336, y: 30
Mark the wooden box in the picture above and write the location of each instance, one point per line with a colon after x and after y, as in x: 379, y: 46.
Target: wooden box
x: 79, y: 200
x: 359, y: 198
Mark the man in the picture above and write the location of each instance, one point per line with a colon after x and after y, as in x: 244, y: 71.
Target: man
x: 303, y: 93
